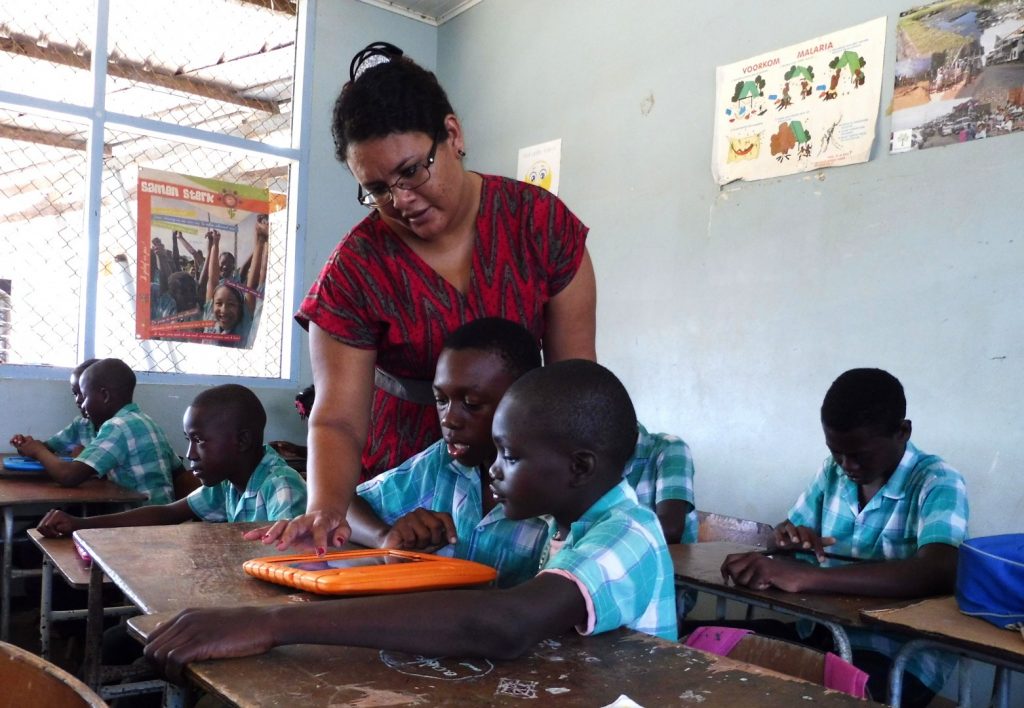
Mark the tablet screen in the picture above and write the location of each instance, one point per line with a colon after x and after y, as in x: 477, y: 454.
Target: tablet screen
x: 360, y: 562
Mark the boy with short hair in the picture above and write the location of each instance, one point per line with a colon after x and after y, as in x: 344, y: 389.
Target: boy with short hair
x: 563, y: 434
x: 129, y: 447
x: 243, y: 479
x: 79, y: 432
x: 439, y: 500
x: 879, y: 498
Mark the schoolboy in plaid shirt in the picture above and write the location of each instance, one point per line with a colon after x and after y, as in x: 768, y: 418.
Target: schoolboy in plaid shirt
x: 129, y: 448
x: 563, y: 434
x: 879, y: 498
x: 439, y: 500
x: 243, y: 479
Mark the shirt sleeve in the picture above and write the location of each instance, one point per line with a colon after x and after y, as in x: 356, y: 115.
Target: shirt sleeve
x: 944, y: 510
x: 808, y: 508
x: 284, y: 497
x: 397, y: 492
x: 209, y: 503
x: 566, y: 237
x: 60, y: 441
x: 339, y: 301
x: 675, y: 472
x: 614, y: 566
x: 108, y: 450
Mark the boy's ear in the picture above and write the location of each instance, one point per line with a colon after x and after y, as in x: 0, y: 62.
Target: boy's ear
x: 584, y: 465
x: 903, y: 432
x: 245, y: 439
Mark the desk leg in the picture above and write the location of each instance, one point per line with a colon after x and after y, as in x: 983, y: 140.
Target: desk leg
x: 5, y: 610
x: 94, y: 628
x: 45, y: 607
x: 963, y: 680
x: 175, y: 696
x: 1001, y: 688
x: 841, y: 640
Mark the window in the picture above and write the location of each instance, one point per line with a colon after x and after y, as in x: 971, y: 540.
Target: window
x: 201, y: 88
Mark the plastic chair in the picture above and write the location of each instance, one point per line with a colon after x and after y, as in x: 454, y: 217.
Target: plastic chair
x: 823, y: 668
x: 28, y: 680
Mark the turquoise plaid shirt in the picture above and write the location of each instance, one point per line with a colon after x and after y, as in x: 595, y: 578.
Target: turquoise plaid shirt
x: 274, y: 491
x: 133, y: 452
x: 924, y: 501
x: 660, y: 469
x: 78, y: 432
x: 433, y: 480
x: 616, y: 555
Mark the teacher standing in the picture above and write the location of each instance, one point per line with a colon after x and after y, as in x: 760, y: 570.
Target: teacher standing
x: 440, y: 247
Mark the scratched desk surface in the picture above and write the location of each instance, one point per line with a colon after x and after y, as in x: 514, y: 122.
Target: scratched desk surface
x: 698, y: 565
x: 569, y: 671
x: 196, y: 564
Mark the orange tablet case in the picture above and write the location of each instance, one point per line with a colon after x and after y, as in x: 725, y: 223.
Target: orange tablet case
x: 369, y: 572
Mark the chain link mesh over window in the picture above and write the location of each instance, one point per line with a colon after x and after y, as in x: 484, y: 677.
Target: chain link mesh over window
x: 224, y: 67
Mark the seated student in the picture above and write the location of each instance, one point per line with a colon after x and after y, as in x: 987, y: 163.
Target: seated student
x: 661, y: 472
x: 879, y: 498
x: 79, y: 432
x: 563, y: 434
x: 243, y: 479
x: 440, y: 499
x: 129, y: 447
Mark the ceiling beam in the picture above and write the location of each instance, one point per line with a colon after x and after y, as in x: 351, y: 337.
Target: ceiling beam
x: 134, y: 71
x: 46, y: 137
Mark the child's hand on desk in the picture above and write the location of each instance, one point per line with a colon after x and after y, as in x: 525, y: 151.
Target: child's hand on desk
x: 27, y: 445
x: 789, y: 536
x: 58, y: 523
x: 760, y: 572
x: 197, y: 635
x: 314, y: 531
x: 421, y: 530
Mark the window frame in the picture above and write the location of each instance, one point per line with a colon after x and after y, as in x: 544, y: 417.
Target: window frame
x: 97, y: 119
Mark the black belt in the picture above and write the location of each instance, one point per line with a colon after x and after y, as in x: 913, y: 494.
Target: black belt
x: 412, y: 390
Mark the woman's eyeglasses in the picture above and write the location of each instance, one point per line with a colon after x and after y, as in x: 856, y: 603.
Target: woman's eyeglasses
x: 412, y: 177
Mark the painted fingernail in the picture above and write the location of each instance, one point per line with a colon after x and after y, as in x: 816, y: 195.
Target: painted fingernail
x: 320, y: 550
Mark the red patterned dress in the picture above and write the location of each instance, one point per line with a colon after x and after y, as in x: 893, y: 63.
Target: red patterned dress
x: 376, y: 293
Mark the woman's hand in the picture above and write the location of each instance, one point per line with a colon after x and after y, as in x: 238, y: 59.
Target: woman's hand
x: 313, y: 531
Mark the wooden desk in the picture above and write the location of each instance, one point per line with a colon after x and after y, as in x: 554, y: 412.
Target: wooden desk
x: 698, y: 566
x: 569, y: 671
x: 39, y: 495
x: 164, y: 568
x: 937, y: 623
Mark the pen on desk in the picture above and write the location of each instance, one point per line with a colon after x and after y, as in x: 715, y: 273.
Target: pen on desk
x: 810, y: 551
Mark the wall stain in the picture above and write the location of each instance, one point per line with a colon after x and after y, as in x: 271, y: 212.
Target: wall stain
x: 647, y: 105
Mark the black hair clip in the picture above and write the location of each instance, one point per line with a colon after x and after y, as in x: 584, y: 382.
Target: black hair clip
x: 372, y: 55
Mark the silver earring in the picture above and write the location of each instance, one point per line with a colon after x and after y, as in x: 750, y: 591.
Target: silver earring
x: 462, y: 154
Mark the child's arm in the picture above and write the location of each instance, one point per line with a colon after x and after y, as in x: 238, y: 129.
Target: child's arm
x: 931, y: 571
x: 68, y: 474
x: 419, y: 530
x: 212, y: 263
x: 58, y: 523
x: 672, y: 517
x: 500, y: 624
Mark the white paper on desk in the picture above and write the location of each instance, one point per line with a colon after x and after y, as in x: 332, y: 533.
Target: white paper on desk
x: 623, y: 701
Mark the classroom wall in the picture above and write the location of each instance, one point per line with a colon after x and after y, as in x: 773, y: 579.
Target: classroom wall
x: 41, y: 407
x: 728, y: 312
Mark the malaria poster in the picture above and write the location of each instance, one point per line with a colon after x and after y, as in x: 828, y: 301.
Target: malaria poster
x: 800, y: 108
x: 202, y: 258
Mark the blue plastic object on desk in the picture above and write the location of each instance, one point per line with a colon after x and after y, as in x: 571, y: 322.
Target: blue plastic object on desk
x: 17, y: 463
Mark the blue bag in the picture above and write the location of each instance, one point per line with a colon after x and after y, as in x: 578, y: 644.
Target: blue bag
x: 990, y: 579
